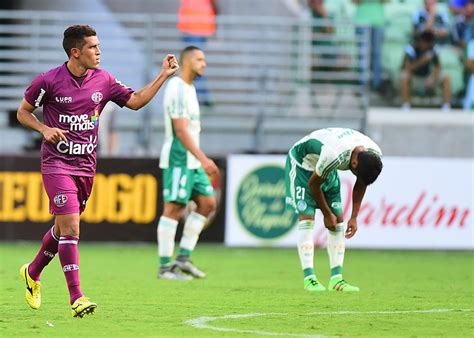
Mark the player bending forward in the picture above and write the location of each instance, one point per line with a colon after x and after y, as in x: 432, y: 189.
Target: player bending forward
x: 73, y: 96
x: 312, y: 182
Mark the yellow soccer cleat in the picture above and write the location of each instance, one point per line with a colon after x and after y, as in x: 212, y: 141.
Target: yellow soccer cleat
x: 83, y: 306
x: 33, y: 288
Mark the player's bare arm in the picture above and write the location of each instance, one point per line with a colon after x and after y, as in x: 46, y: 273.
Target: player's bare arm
x: 141, y: 97
x: 357, y: 195
x: 330, y: 220
x: 26, y: 117
x: 414, y: 65
x: 181, y: 128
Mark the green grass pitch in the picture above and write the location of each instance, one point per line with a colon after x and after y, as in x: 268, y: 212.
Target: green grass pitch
x: 263, y: 284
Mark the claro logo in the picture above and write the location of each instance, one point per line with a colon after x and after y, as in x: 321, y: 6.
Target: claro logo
x: 73, y: 148
x: 115, y: 198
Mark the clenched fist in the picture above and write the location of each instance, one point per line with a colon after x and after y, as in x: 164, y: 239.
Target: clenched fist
x: 170, y: 65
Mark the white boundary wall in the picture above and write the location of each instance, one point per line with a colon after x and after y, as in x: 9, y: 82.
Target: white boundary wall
x: 417, y: 203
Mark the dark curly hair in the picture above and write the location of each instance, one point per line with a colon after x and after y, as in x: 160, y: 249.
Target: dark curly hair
x: 369, y: 167
x: 74, y: 37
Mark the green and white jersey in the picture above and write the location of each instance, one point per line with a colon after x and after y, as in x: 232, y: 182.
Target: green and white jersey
x: 329, y: 149
x: 180, y: 101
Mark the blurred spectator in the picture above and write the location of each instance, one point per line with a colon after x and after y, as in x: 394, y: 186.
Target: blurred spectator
x: 370, y: 15
x: 457, y: 6
x: 463, y: 24
x: 323, y: 31
x: 429, y: 19
x: 422, y: 71
x: 469, y: 64
x: 108, y: 130
x: 320, y: 27
x: 319, y: 12
x: 196, y: 20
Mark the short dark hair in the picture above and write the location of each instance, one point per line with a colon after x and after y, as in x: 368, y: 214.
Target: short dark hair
x: 369, y: 167
x: 186, y: 51
x: 74, y: 37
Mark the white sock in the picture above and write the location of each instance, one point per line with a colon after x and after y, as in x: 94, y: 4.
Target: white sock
x: 192, y: 229
x: 306, y: 246
x: 166, y: 232
x: 406, y: 106
x: 336, y: 248
x: 446, y: 107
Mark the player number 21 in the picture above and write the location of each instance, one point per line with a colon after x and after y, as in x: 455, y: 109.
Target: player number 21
x: 300, y: 191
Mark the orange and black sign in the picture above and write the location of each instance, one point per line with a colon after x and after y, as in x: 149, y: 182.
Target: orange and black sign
x: 124, y: 205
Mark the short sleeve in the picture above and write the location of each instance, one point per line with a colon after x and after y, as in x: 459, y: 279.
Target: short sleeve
x: 327, y: 162
x: 410, y: 52
x: 470, y: 50
x: 415, y: 20
x: 36, y: 93
x: 175, y: 105
x: 119, y: 93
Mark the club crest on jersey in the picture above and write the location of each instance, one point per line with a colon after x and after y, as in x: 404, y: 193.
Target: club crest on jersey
x: 97, y: 97
x: 60, y: 200
x: 301, y: 205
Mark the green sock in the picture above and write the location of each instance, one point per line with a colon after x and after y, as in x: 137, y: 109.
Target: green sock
x: 336, y: 271
x: 165, y: 261
x: 184, y: 252
x: 308, y: 272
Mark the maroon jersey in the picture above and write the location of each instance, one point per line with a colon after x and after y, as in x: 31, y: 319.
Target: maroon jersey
x: 75, y: 107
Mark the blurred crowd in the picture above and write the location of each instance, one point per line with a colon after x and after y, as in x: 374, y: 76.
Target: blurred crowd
x: 435, y: 47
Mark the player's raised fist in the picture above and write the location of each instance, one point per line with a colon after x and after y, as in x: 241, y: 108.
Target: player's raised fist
x: 170, y: 65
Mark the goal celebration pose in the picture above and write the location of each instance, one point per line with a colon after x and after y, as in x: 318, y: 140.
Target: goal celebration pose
x: 73, y: 96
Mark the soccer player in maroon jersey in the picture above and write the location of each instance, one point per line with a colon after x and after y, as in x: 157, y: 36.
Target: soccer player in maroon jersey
x: 73, y: 96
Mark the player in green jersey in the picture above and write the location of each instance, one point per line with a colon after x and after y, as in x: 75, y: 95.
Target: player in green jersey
x: 312, y: 182
x: 186, y: 170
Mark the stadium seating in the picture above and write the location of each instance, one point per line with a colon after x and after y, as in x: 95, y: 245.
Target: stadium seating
x: 257, y: 74
x: 259, y: 70
x: 398, y: 33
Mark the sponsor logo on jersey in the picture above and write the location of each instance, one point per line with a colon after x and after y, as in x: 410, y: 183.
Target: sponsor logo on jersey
x: 63, y: 99
x: 73, y: 148
x: 260, y: 202
x: 80, y: 122
x: 97, y: 97
x: 95, y: 118
x: 40, y: 97
x: 60, y: 200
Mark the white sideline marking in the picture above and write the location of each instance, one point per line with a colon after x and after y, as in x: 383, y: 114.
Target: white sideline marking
x: 202, y: 322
